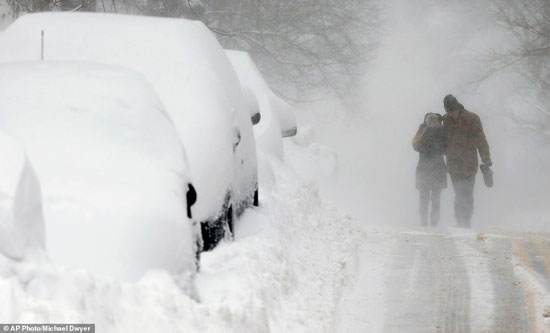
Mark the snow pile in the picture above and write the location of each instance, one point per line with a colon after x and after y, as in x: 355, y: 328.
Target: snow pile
x: 21, y: 220
x: 284, y: 272
x: 298, y: 253
x: 110, y: 163
x: 319, y: 163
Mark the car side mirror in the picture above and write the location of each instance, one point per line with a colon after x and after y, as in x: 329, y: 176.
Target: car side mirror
x: 191, y: 196
x: 256, y: 118
x: 252, y: 105
x: 289, y: 132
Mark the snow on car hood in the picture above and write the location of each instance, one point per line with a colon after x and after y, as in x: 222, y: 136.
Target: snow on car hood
x: 112, y: 169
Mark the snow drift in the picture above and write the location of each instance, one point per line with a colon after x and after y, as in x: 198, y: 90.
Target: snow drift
x: 285, y: 271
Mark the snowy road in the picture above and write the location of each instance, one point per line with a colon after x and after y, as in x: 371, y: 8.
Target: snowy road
x: 452, y: 281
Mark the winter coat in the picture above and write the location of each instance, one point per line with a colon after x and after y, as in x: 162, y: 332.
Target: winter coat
x: 465, y: 138
x: 431, y: 172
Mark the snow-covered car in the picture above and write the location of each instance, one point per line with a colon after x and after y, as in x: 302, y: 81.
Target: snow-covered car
x: 112, y: 169
x: 277, y: 116
x: 21, y: 218
x: 192, y: 76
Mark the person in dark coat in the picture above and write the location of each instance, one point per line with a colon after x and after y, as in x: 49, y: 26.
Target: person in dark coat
x: 465, y: 140
x: 431, y: 173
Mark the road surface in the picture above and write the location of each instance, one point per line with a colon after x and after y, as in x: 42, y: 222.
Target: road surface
x: 450, y: 281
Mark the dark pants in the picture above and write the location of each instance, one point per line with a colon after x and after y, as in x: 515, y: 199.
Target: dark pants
x: 427, y: 195
x: 464, y: 198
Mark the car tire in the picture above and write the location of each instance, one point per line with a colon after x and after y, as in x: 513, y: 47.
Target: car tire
x: 256, y: 198
x: 229, y: 222
x: 214, y: 232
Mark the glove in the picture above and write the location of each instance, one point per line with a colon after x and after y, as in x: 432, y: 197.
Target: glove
x: 487, y: 174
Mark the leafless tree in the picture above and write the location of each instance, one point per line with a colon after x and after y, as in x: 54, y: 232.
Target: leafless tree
x: 30, y: 6
x: 305, y: 48
x: 529, y: 23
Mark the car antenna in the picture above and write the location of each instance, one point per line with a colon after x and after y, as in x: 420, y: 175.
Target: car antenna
x: 42, y: 46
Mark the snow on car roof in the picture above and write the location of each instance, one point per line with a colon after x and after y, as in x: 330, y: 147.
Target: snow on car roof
x: 110, y: 163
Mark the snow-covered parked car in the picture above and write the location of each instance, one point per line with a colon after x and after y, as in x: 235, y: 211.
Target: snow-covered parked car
x: 277, y: 116
x: 113, y: 172
x: 194, y: 79
x: 21, y: 218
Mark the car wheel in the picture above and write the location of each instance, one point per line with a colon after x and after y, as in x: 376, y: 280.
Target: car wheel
x: 256, y: 198
x: 213, y: 232
x: 229, y: 221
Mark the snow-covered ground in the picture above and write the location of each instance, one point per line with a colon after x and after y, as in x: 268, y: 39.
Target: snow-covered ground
x: 450, y: 280
x: 299, y: 264
x: 285, y: 271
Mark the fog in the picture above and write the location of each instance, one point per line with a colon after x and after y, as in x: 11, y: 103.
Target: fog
x: 427, y: 50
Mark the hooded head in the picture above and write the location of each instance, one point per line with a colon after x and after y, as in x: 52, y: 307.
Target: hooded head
x: 432, y: 120
x: 451, y: 104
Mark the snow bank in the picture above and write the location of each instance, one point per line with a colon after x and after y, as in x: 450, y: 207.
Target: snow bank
x: 284, y: 272
x: 21, y: 220
x: 111, y: 166
x: 289, y: 262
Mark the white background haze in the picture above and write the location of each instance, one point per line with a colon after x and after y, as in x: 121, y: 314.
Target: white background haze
x: 427, y: 50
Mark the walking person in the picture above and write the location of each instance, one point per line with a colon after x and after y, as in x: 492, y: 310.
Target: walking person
x: 465, y: 138
x: 431, y: 174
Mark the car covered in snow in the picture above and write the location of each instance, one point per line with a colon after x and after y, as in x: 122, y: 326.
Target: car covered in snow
x: 112, y: 169
x: 192, y: 76
x: 277, y: 116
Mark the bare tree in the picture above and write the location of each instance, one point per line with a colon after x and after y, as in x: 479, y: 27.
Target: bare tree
x: 18, y: 7
x: 305, y: 48
x: 529, y: 23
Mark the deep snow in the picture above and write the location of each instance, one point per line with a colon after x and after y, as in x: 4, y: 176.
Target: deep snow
x: 112, y: 169
x: 188, y: 70
x: 292, y: 252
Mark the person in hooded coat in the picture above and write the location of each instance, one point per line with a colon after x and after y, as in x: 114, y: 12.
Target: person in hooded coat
x: 431, y: 173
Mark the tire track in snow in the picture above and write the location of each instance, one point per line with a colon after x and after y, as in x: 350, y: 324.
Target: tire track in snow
x: 543, y: 245
x: 510, y: 314
x: 427, y: 287
x: 532, y: 269
x: 454, y: 285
